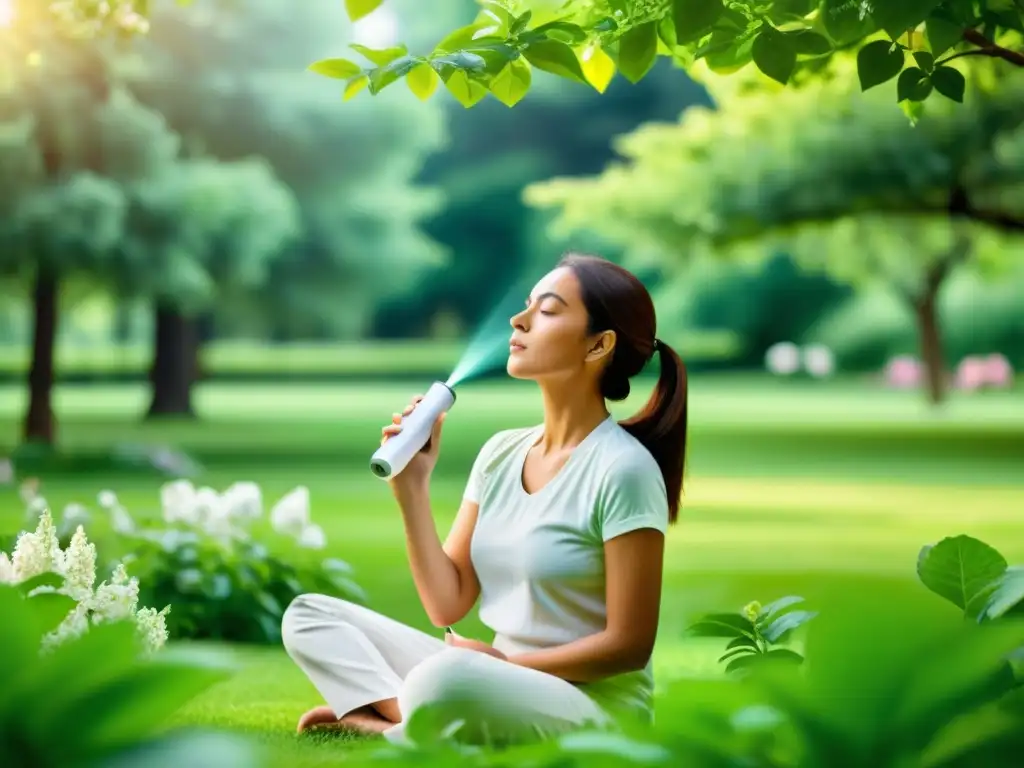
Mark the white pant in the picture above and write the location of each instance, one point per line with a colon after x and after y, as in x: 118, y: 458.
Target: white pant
x: 355, y: 656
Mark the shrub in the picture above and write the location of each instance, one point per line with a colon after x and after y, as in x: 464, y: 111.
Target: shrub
x: 204, y: 555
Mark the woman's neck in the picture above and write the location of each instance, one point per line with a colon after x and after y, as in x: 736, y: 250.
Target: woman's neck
x: 569, y: 416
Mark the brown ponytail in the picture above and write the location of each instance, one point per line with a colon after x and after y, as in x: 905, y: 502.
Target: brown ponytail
x: 616, y: 300
x: 661, y: 424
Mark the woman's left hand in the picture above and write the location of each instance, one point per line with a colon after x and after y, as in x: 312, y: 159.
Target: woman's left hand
x: 474, y: 645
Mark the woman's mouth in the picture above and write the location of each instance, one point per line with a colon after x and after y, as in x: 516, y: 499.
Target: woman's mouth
x: 515, y: 346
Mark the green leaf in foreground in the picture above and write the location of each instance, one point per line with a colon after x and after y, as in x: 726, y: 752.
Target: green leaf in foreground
x: 722, y: 625
x: 638, y: 49
x: 512, y: 83
x: 556, y: 58
x: 773, y: 54
x: 878, y: 62
x: 693, y: 18
x: 1007, y: 596
x: 950, y: 83
x: 961, y: 569
x: 339, y: 69
x: 357, y: 9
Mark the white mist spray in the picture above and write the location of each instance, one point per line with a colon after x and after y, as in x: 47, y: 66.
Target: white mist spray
x: 486, y: 351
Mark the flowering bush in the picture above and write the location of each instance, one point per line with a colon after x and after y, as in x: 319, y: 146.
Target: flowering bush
x: 202, y: 554
x: 72, y: 573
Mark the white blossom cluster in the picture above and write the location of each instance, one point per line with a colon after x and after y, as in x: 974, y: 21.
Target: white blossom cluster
x: 39, y: 552
x: 227, y: 515
x: 94, y: 17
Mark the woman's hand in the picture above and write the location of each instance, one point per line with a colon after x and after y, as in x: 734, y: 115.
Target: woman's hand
x: 474, y: 645
x: 416, y: 474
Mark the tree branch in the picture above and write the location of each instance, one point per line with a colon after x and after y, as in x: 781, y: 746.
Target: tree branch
x: 988, y: 48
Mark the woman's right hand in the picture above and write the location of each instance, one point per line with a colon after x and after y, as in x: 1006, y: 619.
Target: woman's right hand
x: 419, y: 469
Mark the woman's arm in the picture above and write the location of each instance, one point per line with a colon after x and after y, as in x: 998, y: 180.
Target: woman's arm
x: 633, y: 575
x: 445, y: 579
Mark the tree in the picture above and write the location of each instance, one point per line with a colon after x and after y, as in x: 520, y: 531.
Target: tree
x: 588, y: 41
x: 832, y: 176
x: 200, y: 233
x: 234, y: 87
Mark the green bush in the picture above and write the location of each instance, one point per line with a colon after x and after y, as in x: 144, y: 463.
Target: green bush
x: 225, y: 576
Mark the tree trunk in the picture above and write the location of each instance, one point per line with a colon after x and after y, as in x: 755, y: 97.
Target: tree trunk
x: 932, y: 355
x: 175, y: 352
x: 39, y: 422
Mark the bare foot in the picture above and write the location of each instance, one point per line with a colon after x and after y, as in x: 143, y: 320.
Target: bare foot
x: 316, y: 716
x: 364, y: 721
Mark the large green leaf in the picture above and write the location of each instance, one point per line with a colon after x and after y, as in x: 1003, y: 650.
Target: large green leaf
x: 961, y: 569
x: 767, y: 612
x: 942, y: 34
x: 844, y: 20
x: 339, y: 69
x: 638, y: 49
x: 950, y: 83
x: 1007, y: 596
x: 19, y: 645
x: 897, y: 17
x: 786, y: 623
x: 49, y: 609
x: 48, y: 579
x: 557, y: 58
x: 357, y: 9
x: 512, y: 83
x: 878, y: 62
x: 774, y: 54
x: 192, y: 749
x: 693, y: 18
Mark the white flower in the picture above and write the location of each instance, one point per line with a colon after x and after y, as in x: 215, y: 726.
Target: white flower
x: 178, y: 501
x: 38, y: 552
x: 819, y: 361
x: 312, y: 537
x: 290, y: 515
x: 80, y: 566
x: 107, y: 499
x: 6, y: 569
x: 121, y: 520
x: 117, y: 599
x: 783, y: 359
x: 243, y: 501
x: 152, y: 627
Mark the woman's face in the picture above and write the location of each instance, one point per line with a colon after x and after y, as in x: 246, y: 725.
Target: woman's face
x: 549, y: 336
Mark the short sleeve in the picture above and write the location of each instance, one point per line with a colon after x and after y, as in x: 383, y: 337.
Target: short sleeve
x: 477, y: 474
x: 632, y: 497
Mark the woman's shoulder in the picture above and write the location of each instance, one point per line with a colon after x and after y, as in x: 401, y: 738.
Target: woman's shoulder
x: 625, y: 458
x: 504, y: 442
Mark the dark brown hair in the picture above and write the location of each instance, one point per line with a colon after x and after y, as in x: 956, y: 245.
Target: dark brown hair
x: 616, y: 300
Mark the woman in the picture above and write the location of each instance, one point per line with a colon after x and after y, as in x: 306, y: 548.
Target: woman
x: 560, y: 534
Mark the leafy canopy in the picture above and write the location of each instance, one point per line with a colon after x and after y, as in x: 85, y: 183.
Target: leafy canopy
x: 588, y: 41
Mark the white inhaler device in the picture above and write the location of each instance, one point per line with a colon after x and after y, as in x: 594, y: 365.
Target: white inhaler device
x: 392, y: 457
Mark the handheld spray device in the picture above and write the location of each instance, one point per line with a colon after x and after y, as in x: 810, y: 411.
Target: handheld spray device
x: 392, y: 457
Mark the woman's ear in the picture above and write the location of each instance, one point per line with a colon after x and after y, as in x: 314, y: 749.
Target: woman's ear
x: 602, y: 346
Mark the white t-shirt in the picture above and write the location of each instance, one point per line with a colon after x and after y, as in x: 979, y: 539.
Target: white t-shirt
x: 540, y: 557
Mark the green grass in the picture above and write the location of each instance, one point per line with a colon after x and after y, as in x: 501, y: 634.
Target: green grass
x: 793, y: 488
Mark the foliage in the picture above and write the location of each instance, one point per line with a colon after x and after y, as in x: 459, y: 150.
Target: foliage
x: 64, y: 581
x: 205, y: 556
x: 93, y: 699
x: 754, y: 632
x: 588, y: 41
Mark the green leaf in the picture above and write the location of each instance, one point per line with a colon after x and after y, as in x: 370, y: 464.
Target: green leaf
x: 48, y: 579
x: 357, y: 9
x: 878, y: 62
x: 808, y: 42
x: 693, y: 18
x: 843, y: 21
x: 1009, y: 589
x: 774, y: 656
x: 777, y: 606
x: 785, y: 624
x: 735, y: 652
x: 773, y: 54
x: 520, y: 23
x: 49, y: 610
x: 727, y: 50
x: 556, y: 58
x: 564, y: 30
x: 339, y: 69
x: 20, y: 644
x: 950, y: 83
x: 381, y: 57
x: 512, y: 83
x: 382, y: 77
x: 924, y: 60
x: 722, y: 625
x: 743, y: 641
x: 895, y: 18
x: 638, y: 49
x: 467, y: 91
x: 961, y: 569
x: 354, y: 86
x: 458, y: 40
x: 942, y: 34
x: 598, y: 67
x: 459, y: 61
x: 422, y: 81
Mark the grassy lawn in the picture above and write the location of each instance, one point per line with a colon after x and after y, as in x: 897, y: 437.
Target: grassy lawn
x: 792, y: 489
